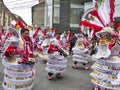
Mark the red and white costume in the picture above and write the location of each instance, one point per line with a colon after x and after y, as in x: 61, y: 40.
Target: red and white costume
x: 107, y: 65
x: 18, y: 76
x: 56, y: 63
x: 80, y: 50
x: 27, y: 47
x: 106, y: 70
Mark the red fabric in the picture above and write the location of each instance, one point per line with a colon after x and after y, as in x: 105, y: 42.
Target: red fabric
x: 118, y: 26
x: 95, y: 13
x: 43, y: 32
x: 112, y: 10
x: 92, y: 26
x: 66, y: 45
x: 115, y: 37
x: 10, y: 51
x: 28, y: 49
x: 59, y: 42
x: 20, y: 23
x: 37, y: 48
x: 85, y: 43
x: 56, y: 30
x: 80, y: 31
x: 51, y: 49
x: 119, y: 55
x: 36, y: 32
x: 70, y: 35
x: 96, y: 88
x: 111, y: 46
x: 116, y: 34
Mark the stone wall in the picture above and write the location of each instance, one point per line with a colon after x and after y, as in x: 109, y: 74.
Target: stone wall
x: 38, y: 14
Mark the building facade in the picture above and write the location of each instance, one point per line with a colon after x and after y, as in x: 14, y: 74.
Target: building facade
x: 62, y: 14
x: 6, y: 17
x: 66, y: 14
x: 38, y: 14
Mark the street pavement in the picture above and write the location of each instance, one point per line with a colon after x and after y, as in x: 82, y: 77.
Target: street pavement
x: 73, y: 79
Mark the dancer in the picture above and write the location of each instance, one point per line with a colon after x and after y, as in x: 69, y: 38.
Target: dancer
x: 56, y: 63
x: 105, y: 75
x: 107, y: 61
x: 18, y: 61
x: 80, y: 52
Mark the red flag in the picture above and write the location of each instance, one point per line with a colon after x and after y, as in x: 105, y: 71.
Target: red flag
x: 36, y: 32
x: 20, y: 23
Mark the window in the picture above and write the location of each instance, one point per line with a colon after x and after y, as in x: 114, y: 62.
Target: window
x: 76, y: 13
x: 56, y: 15
x: 48, y: 13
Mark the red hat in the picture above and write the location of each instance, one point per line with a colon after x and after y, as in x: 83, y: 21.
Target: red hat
x: 10, y: 50
x: 51, y: 48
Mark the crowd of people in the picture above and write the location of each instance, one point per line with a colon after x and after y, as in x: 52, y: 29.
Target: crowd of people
x: 51, y: 47
x: 20, y: 48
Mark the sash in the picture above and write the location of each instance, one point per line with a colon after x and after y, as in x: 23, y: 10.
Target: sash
x: 28, y: 48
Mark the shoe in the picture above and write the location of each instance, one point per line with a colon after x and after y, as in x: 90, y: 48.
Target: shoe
x: 74, y: 66
x: 58, y: 76
x: 49, y: 78
x: 86, y: 67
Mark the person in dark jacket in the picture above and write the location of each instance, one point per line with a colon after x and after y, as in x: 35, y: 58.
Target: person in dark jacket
x: 72, y: 43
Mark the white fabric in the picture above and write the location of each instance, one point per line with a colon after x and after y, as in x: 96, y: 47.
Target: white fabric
x: 15, y: 65
x: 56, y: 63
x: 63, y: 39
x: 18, y: 82
x: 80, y: 55
x: 107, y: 67
x: 54, y: 71
x: 103, y: 52
x: 31, y: 33
x: 116, y: 49
x: 55, y: 42
x: 19, y: 74
x: 13, y: 88
x: 104, y: 13
x: 96, y: 20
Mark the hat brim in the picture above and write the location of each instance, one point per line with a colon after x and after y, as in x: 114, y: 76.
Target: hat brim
x: 15, y: 31
x: 105, y: 30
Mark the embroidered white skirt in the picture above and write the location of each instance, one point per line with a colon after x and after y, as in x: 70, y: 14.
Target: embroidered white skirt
x: 17, y: 76
x: 79, y: 55
x: 56, y: 65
